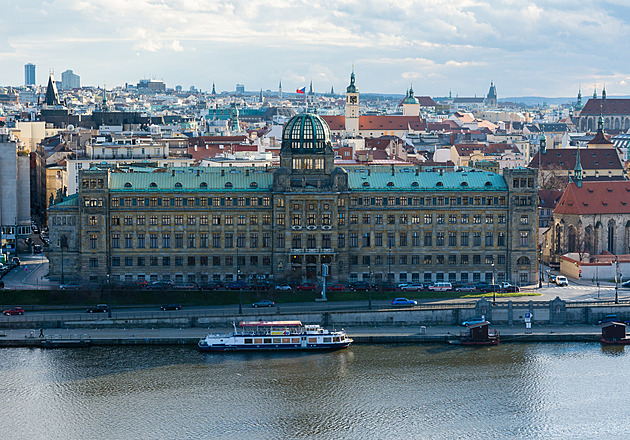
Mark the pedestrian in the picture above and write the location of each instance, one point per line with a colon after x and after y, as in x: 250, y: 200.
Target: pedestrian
x: 41, y: 332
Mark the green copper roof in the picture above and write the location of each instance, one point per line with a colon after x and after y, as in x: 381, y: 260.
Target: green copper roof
x: 352, y: 88
x: 69, y: 202
x: 187, y: 179
x: 406, y: 179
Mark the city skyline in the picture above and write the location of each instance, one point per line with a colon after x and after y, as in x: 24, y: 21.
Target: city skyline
x: 544, y: 48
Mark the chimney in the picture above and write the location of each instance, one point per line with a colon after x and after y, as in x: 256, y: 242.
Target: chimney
x: 417, y: 171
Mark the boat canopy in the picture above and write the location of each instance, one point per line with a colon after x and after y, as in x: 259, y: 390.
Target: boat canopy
x: 270, y: 324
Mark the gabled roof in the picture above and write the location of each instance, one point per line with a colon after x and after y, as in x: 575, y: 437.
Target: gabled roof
x: 378, y: 122
x: 564, y: 159
x: 609, y: 106
x: 549, y: 198
x: 610, y: 197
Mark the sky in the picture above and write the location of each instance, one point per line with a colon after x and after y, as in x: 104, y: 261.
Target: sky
x: 528, y: 48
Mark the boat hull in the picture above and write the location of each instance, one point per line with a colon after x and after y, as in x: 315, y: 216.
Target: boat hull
x: 481, y: 343
x: 615, y: 341
x: 276, y: 347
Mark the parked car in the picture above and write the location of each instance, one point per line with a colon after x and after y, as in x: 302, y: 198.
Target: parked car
x: 69, y: 286
x: 360, y: 286
x: 466, y: 288
x: 441, y: 286
x: 171, y: 306
x: 625, y: 284
x: 472, y: 321
x: 412, y: 287
x: 336, y: 288
x: 15, y: 261
x: 284, y: 288
x: 37, y: 248
x: 236, y: 285
x: 511, y: 289
x: 263, y: 303
x: 404, y: 302
x: 186, y: 286
x: 482, y: 286
x: 14, y: 311
x: 161, y: 285
x: 307, y: 287
x: 388, y: 287
x: 490, y: 288
x: 552, y: 277
x: 561, y: 280
x: 212, y: 285
x: 99, y: 308
x: 609, y: 318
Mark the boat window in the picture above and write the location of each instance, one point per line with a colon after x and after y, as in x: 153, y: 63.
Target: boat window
x: 248, y: 341
x: 295, y: 340
x: 258, y: 341
x: 277, y: 341
x: 327, y: 339
x: 312, y: 340
x: 286, y: 340
x: 336, y: 339
x: 267, y: 341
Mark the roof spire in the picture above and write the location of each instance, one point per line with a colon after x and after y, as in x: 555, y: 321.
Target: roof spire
x: 604, y: 93
x: 214, y: 92
x: 577, y: 171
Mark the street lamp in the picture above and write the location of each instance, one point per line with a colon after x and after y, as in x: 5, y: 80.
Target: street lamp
x: 389, y: 262
x: 616, y: 279
x: 370, y: 289
x: 240, y: 287
x: 494, y: 287
x: 109, y: 298
x: 61, y: 248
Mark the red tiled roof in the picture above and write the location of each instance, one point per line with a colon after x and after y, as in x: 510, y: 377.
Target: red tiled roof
x: 468, y: 149
x: 599, y: 139
x: 377, y: 123
x: 549, y: 197
x: 612, y: 197
x: 335, y: 122
x: 590, y: 159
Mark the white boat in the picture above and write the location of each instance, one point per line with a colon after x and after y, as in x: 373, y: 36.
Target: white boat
x: 276, y: 335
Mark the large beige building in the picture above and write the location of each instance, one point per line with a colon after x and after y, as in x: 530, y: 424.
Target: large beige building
x: 372, y: 223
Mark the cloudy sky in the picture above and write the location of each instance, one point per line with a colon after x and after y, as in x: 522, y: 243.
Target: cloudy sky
x: 528, y: 48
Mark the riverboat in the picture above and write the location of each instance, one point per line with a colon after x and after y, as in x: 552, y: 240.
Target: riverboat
x: 276, y: 335
x: 614, y: 333
x: 480, y: 334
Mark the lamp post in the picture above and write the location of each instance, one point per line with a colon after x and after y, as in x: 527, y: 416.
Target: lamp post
x: 616, y: 279
x: 240, y: 287
x: 61, y: 248
x: 597, y: 277
x: 109, y: 298
x: 370, y: 289
x: 389, y: 262
x: 494, y: 288
x: 540, y: 273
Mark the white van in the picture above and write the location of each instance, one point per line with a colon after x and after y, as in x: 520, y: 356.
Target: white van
x: 441, y: 287
x: 561, y: 280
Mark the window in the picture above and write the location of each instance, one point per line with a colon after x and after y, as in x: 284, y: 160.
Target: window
x: 115, y: 221
x: 128, y: 220
x: 524, y: 239
x: 92, y: 220
x: 280, y: 240
x: 366, y: 239
x: 296, y: 220
x: 141, y: 261
x: 229, y: 220
x: 128, y: 241
x: 116, y: 261
x: 296, y: 241
x: 253, y: 220
x: 166, y: 240
x: 115, y: 240
x: 452, y: 219
x: 191, y: 260
x: 524, y: 219
x: 354, y: 219
x: 191, y: 220
x: 326, y: 241
x: 341, y: 240
x: 464, y: 239
x: 266, y: 239
x: 341, y: 220
x: 253, y: 240
x: 439, y: 239
x: 489, y: 259
x: 153, y: 241
x: 452, y: 259
x: 366, y: 219
x: 415, y: 239
x: 216, y: 220
x: 415, y: 219
x: 476, y: 259
x: 477, y: 219
x: 378, y: 220
x: 452, y: 239
x: 240, y: 240
x: 166, y: 220
x: 266, y: 220
x: 501, y: 239
x: 153, y: 261
x: 378, y: 239
x: 440, y: 219
x: 427, y: 260
x: 179, y: 219
x: 402, y: 219
x: 489, y: 219
x: 476, y: 238
x: 128, y: 261
x: 191, y: 240
x: 229, y: 240
x: 463, y: 259
x: 465, y: 219
x: 310, y: 219
x: 179, y: 261
x: 439, y: 259
x: 489, y: 239
x: 141, y: 241
x: 391, y: 219
x: 354, y: 239
x: 501, y: 219
x: 93, y: 262
x: 428, y: 219
x: 166, y: 261
x: 216, y: 261
x: 141, y: 220
x: 241, y: 220
x: 428, y: 238
x: 93, y: 241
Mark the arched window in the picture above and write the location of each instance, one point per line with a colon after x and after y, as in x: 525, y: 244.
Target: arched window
x: 228, y: 184
x: 153, y: 185
x: 203, y: 185
x: 414, y: 184
x: 253, y: 185
x: 611, y: 236
x: 572, y: 239
x: 463, y: 184
x: 366, y: 184
x: 523, y: 260
x: 488, y: 184
x: 390, y: 183
x: 178, y: 185
x: 439, y: 184
x: 128, y: 185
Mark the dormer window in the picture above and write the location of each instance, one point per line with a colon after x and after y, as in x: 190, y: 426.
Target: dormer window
x: 440, y: 184
x: 178, y: 185
x: 253, y: 185
x: 153, y: 185
x: 128, y: 185
x: 390, y: 183
x: 228, y: 184
x: 203, y: 185
x: 416, y: 184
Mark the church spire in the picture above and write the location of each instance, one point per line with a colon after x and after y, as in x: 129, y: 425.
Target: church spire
x: 577, y: 171
x: 543, y: 143
x: 604, y: 93
x: 52, y: 96
x: 280, y: 90
x: 214, y: 92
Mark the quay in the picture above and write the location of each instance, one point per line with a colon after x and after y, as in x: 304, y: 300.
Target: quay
x: 361, y: 335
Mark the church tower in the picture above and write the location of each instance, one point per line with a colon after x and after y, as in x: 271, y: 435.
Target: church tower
x: 352, y: 107
x: 491, y: 99
x: 280, y: 90
x: 411, y: 105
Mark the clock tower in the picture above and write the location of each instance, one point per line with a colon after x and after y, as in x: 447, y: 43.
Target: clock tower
x: 352, y: 107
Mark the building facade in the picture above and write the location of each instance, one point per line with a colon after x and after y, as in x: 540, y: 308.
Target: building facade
x: 376, y: 223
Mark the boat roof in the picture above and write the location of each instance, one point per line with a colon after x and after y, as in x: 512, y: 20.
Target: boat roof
x: 481, y: 324
x: 269, y: 323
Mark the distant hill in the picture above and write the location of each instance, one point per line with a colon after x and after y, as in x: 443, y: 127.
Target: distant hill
x: 540, y: 100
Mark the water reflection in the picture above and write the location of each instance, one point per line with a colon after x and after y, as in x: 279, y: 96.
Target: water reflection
x: 521, y: 391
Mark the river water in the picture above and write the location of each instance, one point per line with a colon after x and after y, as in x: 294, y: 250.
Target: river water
x: 512, y: 391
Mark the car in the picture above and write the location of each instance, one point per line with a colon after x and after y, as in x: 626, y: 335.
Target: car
x: 263, y: 303
x: 212, y: 285
x: 404, y: 302
x: 336, y: 288
x: 441, y: 286
x: 284, y: 288
x: 99, y: 308
x: 186, y: 286
x: 473, y: 321
x: 388, y: 287
x: 69, y: 286
x: 360, y: 286
x: 466, y: 288
x: 236, y: 285
x: 156, y: 285
x: 15, y: 261
x: 14, y: 311
x: 552, y: 277
x: 35, y: 229
x: 171, y: 306
x: 511, y: 289
x: 561, y: 280
x: 37, y: 248
x: 608, y: 318
x: 490, y: 288
x: 412, y: 287
x: 625, y: 284
x: 307, y: 287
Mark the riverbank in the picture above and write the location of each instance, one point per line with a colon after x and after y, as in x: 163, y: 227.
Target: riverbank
x: 361, y: 335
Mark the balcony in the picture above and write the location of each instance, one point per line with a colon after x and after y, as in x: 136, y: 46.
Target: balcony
x: 312, y: 251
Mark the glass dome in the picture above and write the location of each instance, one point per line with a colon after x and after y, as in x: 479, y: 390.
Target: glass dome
x: 306, y: 133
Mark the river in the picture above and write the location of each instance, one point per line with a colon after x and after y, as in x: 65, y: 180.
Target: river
x: 512, y: 391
